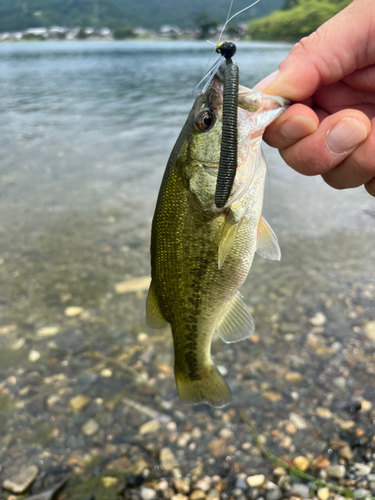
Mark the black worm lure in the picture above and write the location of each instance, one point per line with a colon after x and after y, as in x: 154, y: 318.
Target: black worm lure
x: 228, y: 152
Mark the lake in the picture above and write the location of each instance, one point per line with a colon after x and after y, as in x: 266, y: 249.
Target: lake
x: 85, y: 133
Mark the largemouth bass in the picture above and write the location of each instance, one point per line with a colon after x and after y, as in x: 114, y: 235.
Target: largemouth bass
x: 201, y: 255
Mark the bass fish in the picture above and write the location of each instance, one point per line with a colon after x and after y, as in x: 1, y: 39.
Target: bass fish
x: 201, y: 254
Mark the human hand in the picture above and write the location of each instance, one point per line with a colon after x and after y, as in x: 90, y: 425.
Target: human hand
x: 330, y: 75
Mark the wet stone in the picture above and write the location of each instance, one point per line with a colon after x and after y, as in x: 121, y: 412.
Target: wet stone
x: 79, y: 402
x: 90, y: 427
x: 274, y: 494
x: 148, y: 427
x: 140, y: 466
x: 73, y: 311
x: 168, y: 461
x: 337, y: 471
x: 121, y: 464
x: 197, y: 495
x: 256, y: 480
x: 319, y: 319
x: 301, y: 463
x: 21, y: 481
x: 369, y: 330
x: 323, y: 493
x: 47, y: 331
x: 148, y: 494
x: 181, y: 485
x: 300, y: 490
x: 298, y: 421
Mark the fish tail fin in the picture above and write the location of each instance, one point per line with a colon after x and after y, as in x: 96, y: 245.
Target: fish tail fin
x: 209, y: 387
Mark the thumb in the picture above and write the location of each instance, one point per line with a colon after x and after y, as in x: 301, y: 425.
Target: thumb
x: 340, y: 46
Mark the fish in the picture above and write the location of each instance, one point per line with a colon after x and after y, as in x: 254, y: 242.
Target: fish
x: 202, y: 254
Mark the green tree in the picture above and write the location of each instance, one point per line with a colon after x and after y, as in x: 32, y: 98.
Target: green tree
x: 123, y: 32
x: 81, y: 35
x: 295, y: 23
x: 205, y: 23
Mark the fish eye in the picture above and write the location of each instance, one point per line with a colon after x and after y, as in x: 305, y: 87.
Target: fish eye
x: 205, y: 120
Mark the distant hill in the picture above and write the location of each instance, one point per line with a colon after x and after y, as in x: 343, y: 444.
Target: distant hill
x: 17, y: 15
x: 298, y: 18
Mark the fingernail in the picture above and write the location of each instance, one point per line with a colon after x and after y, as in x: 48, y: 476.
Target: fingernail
x: 345, y: 135
x: 297, y: 127
x: 267, y: 81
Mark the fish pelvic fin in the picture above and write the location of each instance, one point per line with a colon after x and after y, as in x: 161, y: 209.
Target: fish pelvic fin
x: 228, y: 236
x: 154, y: 316
x: 236, y: 323
x: 209, y: 387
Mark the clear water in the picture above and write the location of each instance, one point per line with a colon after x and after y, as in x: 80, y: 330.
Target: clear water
x: 85, y: 132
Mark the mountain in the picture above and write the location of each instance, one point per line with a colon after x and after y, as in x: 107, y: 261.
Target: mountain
x: 18, y: 15
x: 298, y: 18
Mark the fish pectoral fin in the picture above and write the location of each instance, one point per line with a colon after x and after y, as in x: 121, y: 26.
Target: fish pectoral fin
x: 236, y: 323
x: 154, y: 315
x: 267, y: 245
x: 228, y: 235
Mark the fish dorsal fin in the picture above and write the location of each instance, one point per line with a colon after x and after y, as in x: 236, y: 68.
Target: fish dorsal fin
x: 236, y: 323
x: 267, y: 245
x: 154, y: 316
x: 228, y: 235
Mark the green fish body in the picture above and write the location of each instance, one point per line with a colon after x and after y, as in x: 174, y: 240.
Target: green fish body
x: 201, y: 255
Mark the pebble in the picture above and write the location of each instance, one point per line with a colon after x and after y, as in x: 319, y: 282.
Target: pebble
x: 226, y: 434
x: 142, y: 337
x: 218, y: 447
x: 106, y: 373
x: 346, y: 452
x: 150, y: 426
x: 197, y: 495
x: 213, y: 495
x: 273, y: 396
x: 148, y: 494
x: 324, y: 413
x: 178, y: 496
x: 340, y: 382
x: 140, y: 466
x: 241, y: 484
x: 298, y: 421
x: 90, y: 427
x: 337, y: 471
x: 47, y: 331
x: 366, y: 405
x: 181, y: 485
x: 323, y: 493
x: 21, y: 481
x: 134, y: 285
x: 108, y: 481
x: 167, y: 459
x: 275, y: 494
x: 121, y: 464
x: 73, y: 311
x: 301, y: 463
x: 291, y: 428
x: 34, y: 355
x: 300, y: 490
x: 369, y: 330
x: 362, y: 469
x: 7, y: 329
x: 79, y: 402
x: 203, y: 484
x: 319, y: 319
x: 256, y: 480
x: 18, y: 344
x: 293, y: 377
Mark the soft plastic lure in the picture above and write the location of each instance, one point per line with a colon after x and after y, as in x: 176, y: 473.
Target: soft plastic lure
x: 228, y: 151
